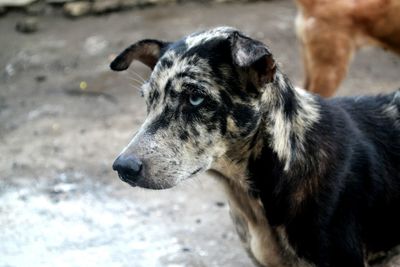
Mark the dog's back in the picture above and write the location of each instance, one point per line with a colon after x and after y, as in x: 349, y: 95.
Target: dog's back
x: 375, y: 141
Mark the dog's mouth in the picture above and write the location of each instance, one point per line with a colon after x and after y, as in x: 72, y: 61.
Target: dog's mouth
x: 145, y: 183
x: 150, y: 184
x: 127, y: 180
x: 196, y: 172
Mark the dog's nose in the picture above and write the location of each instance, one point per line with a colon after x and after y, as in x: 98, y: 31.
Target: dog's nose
x: 128, y: 167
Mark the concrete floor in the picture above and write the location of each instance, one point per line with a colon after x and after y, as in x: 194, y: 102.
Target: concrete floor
x: 61, y: 204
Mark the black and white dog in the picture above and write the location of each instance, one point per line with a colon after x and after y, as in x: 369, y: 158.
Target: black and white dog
x: 311, y: 182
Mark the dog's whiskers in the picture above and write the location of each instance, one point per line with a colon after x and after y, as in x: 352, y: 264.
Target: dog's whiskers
x: 136, y: 88
x: 137, y: 75
x: 136, y: 80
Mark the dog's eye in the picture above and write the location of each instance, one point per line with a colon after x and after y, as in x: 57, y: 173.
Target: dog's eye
x: 196, y: 100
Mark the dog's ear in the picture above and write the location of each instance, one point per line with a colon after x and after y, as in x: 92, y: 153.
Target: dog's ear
x: 253, y: 55
x: 147, y: 51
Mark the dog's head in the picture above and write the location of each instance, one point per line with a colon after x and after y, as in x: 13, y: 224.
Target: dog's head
x: 203, y: 100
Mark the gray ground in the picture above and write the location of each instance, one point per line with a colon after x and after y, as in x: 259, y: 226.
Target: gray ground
x: 60, y: 202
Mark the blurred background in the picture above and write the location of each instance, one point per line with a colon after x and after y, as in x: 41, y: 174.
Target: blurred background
x: 64, y: 117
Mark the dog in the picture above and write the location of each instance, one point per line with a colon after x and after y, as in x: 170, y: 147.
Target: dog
x: 310, y: 181
x: 331, y: 31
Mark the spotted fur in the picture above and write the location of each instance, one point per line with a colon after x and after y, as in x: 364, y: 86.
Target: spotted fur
x: 311, y: 182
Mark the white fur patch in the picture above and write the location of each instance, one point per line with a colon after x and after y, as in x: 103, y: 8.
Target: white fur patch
x: 392, y: 110
x: 281, y: 128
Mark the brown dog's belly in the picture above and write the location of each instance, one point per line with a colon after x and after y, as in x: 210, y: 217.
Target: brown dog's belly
x: 389, y: 39
x: 380, y: 21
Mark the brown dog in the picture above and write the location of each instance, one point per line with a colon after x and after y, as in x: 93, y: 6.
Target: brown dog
x: 331, y: 30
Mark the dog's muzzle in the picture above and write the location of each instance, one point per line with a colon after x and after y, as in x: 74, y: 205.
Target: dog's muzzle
x: 129, y: 168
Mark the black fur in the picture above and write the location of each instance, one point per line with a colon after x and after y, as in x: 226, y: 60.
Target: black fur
x: 340, y: 195
x: 357, y: 200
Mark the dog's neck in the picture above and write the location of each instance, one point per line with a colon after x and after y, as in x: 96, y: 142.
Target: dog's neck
x: 288, y: 114
x: 278, y: 148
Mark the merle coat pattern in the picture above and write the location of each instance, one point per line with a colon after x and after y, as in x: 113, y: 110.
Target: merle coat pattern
x: 310, y: 181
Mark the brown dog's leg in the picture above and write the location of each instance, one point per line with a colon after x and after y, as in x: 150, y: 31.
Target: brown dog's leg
x: 326, y: 52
